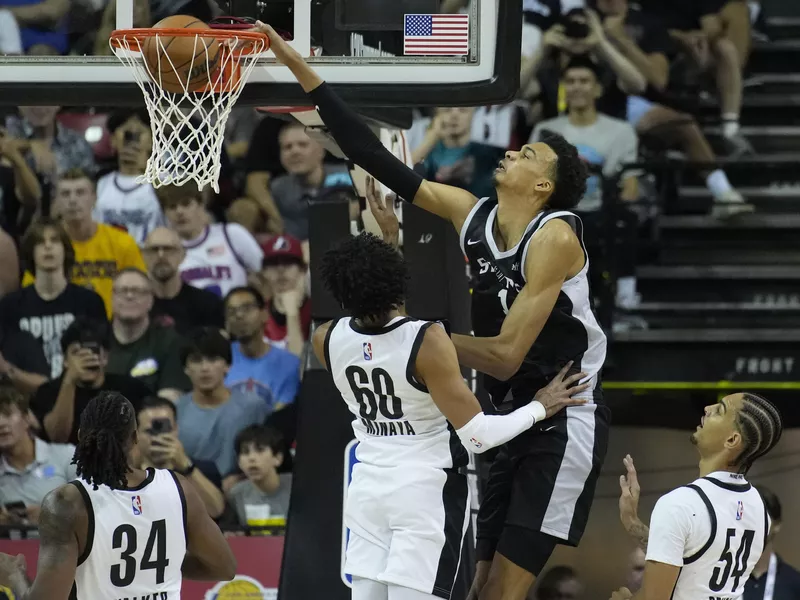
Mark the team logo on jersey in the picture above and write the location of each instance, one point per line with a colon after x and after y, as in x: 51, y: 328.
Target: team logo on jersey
x: 367, y: 351
x: 216, y: 250
x: 739, y: 511
x: 136, y: 504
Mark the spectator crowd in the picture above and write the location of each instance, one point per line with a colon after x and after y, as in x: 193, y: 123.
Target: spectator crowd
x: 196, y: 305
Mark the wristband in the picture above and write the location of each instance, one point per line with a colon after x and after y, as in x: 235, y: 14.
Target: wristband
x: 538, y: 411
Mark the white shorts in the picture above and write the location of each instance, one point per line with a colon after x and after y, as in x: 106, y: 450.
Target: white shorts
x: 407, y: 526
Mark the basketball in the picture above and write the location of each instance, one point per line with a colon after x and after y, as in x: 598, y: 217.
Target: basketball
x: 177, y: 63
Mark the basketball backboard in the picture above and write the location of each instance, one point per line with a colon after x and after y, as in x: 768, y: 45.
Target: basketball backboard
x: 377, y: 53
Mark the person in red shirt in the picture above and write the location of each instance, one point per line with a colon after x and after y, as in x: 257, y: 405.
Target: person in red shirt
x: 284, y: 273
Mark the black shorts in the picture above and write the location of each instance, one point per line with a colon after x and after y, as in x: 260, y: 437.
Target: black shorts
x: 541, y: 486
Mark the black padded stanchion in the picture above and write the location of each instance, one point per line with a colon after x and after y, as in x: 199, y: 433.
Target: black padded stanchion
x: 328, y: 222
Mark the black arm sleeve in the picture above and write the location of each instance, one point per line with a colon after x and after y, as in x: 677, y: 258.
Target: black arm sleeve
x: 362, y: 146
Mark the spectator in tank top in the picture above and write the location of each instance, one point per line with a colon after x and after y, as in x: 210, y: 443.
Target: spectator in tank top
x: 219, y: 256
x: 120, y: 199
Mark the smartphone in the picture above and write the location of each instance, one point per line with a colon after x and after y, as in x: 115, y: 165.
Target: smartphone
x: 131, y: 137
x: 575, y: 26
x: 160, y: 426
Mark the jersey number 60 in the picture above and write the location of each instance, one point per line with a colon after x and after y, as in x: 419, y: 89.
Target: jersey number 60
x: 366, y: 387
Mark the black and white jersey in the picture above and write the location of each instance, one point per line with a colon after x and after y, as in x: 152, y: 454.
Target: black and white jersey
x: 715, y: 530
x: 136, y: 541
x: 396, y: 421
x: 571, y: 333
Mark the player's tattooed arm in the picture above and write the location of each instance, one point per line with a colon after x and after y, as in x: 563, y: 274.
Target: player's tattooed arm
x: 62, y: 514
x: 640, y: 532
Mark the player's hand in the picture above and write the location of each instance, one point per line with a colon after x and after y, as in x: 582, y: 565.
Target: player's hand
x: 558, y: 394
x: 282, y: 51
x: 629, y: 498
x: 12, y: 570
x: 383, y: 211
x: 622, y: 594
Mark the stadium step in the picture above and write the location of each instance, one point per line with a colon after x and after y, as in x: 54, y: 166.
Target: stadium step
x: 775, y: 198
x: 744, y: 231
x: 783, y: 28
x: 714, y: 252
x: 717, y: 315
x: 765, y: 139
x: 775, y: 56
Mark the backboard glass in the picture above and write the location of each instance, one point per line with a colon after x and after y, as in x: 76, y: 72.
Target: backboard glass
x: 375, y: 52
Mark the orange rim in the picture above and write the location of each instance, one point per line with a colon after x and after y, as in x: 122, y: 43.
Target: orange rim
x: 247, y: 40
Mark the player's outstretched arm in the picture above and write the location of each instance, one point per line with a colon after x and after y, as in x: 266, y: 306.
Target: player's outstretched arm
x: 437, y: 368
x: 208, y: 555
x: 554, y: 256
x: 362, y: 146
x: 63, y: 512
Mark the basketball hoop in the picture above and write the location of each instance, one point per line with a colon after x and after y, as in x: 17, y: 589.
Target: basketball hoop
x: 188, y: 120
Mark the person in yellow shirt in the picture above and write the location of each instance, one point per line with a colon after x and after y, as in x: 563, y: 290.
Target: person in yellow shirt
x: 101, y: 250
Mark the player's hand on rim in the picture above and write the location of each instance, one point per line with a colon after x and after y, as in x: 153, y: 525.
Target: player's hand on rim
x: 561, y: 391
x: 629, y: 498
x: 282, y: 51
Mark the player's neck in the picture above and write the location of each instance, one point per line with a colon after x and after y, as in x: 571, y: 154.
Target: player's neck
x: 713, y: 464
x: 21, y: 455
x: 254, y: 346
x: 50, y: 284
x: 511, y: 221
x: 81, y: 230
x: 378, y: 323
x: 583, y: 117
x: 456, y: 141
x: 128, y: 332
x: 763, y: 563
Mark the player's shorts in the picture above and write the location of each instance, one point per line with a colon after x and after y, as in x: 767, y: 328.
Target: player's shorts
x: 407, y: 526
x: 541, y: 486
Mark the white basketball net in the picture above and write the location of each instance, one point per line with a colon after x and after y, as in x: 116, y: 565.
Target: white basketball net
x: 189, y: 127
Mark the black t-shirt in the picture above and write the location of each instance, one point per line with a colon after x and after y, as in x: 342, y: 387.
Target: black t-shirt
x: 648, y: 32
x: 46, y: 320
x: 787, y: 584
x: 683, y: 15
x: 9, y: 204
x: 264, y: 152
x: 23, y: 351
x: 191, y: 308
x: 45, y: 398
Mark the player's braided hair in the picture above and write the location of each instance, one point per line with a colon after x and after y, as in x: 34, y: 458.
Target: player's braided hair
x: 569, y: 173
x: 761, y: 427
x: 106, y: 427
x: 366, y: 276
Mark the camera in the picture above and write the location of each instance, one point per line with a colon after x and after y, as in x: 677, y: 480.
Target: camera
x: 575, y: 26
x: 160, y: 426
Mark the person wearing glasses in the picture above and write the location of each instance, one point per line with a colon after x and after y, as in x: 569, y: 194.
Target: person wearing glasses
x: 142, y: 348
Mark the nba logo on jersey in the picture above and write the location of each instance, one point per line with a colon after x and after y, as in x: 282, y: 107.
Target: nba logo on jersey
x: 739, y: 511
x: 367, y: 351
x: 136, y: 504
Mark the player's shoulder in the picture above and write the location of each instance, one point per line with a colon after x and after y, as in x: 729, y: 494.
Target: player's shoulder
x: 681, y: 498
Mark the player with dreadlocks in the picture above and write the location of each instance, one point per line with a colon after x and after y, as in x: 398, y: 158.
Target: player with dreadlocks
x: 407, y: 505
x: 119, y: 531
x: 705, y: 538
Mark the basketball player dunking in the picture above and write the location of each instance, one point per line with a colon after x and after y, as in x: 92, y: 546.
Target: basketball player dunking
x: 119, y: 531
x: 705, y: 538
x: 407, y: 504
x: 531, y: 316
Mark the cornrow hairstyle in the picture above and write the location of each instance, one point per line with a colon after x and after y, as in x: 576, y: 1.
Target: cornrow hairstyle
x: 106, y: 427
x: 366, y: 276
x: 761, y: 427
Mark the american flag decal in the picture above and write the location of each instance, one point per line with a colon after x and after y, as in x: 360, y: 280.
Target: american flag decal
x: 430, y: 35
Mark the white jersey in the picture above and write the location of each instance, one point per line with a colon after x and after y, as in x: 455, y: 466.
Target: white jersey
x: 136, y: 541
x: 715, y: 530
x: 220, y: 258
x: 122, y: 201
x: 397, y: 423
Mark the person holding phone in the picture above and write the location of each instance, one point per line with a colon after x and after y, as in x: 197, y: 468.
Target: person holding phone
x: 120, y: 199
x: 160, y: 447
x: 58, y: 404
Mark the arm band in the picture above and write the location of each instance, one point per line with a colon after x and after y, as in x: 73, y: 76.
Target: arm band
x: 360, y: 145
x: 484, y: 432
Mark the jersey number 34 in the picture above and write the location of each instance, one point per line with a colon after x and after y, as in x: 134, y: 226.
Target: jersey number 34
x: 154, y: 557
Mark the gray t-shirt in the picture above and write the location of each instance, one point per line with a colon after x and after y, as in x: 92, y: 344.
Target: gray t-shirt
x: 209, y: 433
x: 292, y: 195
x: 257, y: 508
x: 50, y: 469
x: 607, y: 143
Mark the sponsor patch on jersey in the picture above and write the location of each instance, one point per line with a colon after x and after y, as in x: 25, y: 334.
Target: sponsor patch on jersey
x: 216, y: 250
x: 367, y: 350
x: 739, y: 511
x: 136, y: 504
